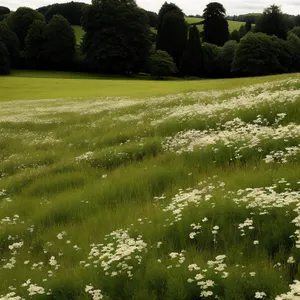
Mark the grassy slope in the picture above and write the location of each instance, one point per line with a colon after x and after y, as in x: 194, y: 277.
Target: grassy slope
x: 24, y: 85
x: 78, y: 33
x: 74, y: 171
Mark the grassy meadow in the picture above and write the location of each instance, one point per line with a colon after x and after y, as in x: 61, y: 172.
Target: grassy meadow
x: 135, y: 189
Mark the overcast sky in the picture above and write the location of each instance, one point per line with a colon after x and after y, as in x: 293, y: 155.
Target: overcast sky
x: 190, y: 7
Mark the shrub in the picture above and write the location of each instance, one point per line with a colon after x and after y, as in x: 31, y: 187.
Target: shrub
x: 225, y: 58
x: 256, y: 54
x: 162, y: 64
x: 210, y: 54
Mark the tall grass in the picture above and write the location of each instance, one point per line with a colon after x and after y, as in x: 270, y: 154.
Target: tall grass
x: 166, y: 197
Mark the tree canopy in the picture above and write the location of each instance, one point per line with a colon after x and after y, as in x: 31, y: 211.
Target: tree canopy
x: 172, y: 33
x: 117, y: 38
x: 11, y: 42
x: 192, y: 61
x: 4, y: 59
x: 21, y: 20
x: 256, y: 54
x: 59, y: 46
x: 162, y: 64
x: 215, y: 25
x: 272, y: 22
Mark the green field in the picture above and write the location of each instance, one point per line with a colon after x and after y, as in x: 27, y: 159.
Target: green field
x: 79, y: 32
x: 136, y: 189
x: 232, y: 26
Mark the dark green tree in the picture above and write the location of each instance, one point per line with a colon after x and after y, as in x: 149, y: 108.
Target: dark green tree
x: 235, y: 35
x: 72, y: 11
x: 215, y: 25
x: 272, y: 22
x: 117, y: 38
x: 162, y: 64
x: 256, y: 54
x: 293, y: 44
x: 152, y: 18
x: 225, y: 58
x: 59, y: 46
x: 172, y: 35
x: 242, y: 31
x: 166, y: 8
x: 192, y: 61
x: 4, y: 60
x: 4, y: 10
x: 296, y: 30
x: 21, y: 20
x: 34, y: 44
x: 210, y: 54
x: 248, y: 26
x: 297, y: 20
x: 11, y: 41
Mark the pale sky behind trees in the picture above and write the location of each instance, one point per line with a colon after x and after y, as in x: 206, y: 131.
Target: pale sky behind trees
x: 189, y: 7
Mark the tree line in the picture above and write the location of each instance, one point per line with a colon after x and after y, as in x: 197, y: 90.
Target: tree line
x: 118, y: 40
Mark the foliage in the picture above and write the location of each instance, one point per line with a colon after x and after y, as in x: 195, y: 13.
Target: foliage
x: 152, y: 18
x: 35, y: 44
x: 225, y: 58
x: 210, y: 54
x: 72, y: 11
x: 248, y: 26
x: 242, y: 31
x: 272, y: 22
x: 4, y: 59
x: 11, y: 41
x: 235, y: 35
x: 192, y: 61
x: 116, y: 47
x: 293, y: 44
x: 59, y: 46
x: 162, y: 64
x: 4, y: 10
x: 215, y: 25
x: 172, y: 35
x: 256, y: 54
x: 166, y: 8
x: 21, y: 20
x: 296, y: 30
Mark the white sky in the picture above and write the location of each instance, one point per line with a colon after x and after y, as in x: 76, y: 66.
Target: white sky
x: 190, y: 7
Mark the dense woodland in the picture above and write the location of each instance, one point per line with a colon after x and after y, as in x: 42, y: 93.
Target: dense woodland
x: 118, y: 40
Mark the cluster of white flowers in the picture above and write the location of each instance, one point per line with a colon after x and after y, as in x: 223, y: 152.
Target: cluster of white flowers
x: 282, y: 156
x: 177, y: 255
x: 16, y: 246
x: 11, y: 296
x: 206, y: 285
x: 85, y: 157
x: 96, y: 294
x: 260, y: 295
x: 118, y: 256
x: 190, y: 197
x: 294, y: 293
x: 197, y: 229
x: 236, y: 134
x: 248, y: 223
x: 10, y: 220
x: 61, y: 235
